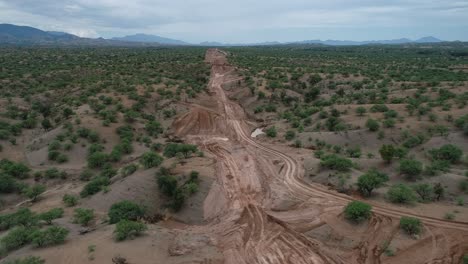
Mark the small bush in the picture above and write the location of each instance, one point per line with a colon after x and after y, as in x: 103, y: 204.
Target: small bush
x: 400, y: 193
x: 70, y: 200
x: 271, y: 132
x: 411, y: 226
x: 83, y: 216
x: 151, y: 159
x: 447, y: 152
x: 357, y: 211
x: 128, y: 229
x: 336, y: 162
x: 372, y: 125
x: 53, y: 235
x: 411, y: 168
x: 369, y: 181
x: 22, y: 217
x: 50, y: 215
x: 34, y: 191
x: 97, y: 160
x: 16, y: 238
x: 94, y: 186
x: 26, y: 260
x: 125, y: 210
x: 425, y: 191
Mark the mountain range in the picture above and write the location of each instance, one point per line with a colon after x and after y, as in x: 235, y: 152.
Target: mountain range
x: 23, y: 35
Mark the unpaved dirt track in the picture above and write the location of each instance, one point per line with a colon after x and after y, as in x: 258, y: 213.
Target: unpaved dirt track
x: 243, y: 206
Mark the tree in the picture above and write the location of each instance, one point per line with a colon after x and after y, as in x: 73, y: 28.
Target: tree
x: 34, y: 191
x: 7, y: 183
x: 53, y: 235
x: 387, y: 152
x: 128, y: 229
x: 439, y: 191
x: 336, y: 162
x: 372, y: 125
x: 447, y: 152
x: 357, y: 211
x: 83, y: 216
x: 46, y: 124
x: 361, y: 110
x: 172, y: 149
x: 411, y: 168
x: 425, y: 191
x: 400, y: 193
x: 151, y: 159
x: 412, y: 226
x: 51, y: 215
x: 369, y: 181
x: 125, y: 210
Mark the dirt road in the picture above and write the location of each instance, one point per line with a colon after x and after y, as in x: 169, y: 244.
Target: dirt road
x: 255, y: 180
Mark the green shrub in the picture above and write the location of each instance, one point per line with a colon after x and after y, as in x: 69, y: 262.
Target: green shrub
x: 8, y: 184
x: 26, y: 260
x: 447, y: 152
x: 425, y: 191
x: 411, y: 225
x: 22, y: 217
x: 357, y: 211
x: 411, y: 168
x: 372, y: 125
x: 336, y: 162
x: 70, y: 200
x: 369, y: 181
x: 83, y: 216
x: 387, y: 152
x: 271, y: 132
x: 172, y: 149
x: 16, y: 238
x: 167, y: 183
x: 290, y: 135
x: 53, y: 235
x: 94, y: 186
x: 128, y: 229
x: 151, y: 159
x: 97, y: 159
x: 125, y: 210
x: 32, y: 192
x: 129, y: 169
x: 50, y: 215
x: 17, y: 170
x: 400, y: 193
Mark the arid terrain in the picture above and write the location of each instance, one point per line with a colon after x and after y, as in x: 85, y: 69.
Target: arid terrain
x: 222, y: 179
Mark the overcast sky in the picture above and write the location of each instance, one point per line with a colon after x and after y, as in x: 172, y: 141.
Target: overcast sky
x: 245, y: 21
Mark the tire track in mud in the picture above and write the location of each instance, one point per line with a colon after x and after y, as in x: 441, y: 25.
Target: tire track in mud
x: 247, y: 233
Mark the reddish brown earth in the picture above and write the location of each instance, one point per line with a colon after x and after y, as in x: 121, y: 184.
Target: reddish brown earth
x: 262, y: 211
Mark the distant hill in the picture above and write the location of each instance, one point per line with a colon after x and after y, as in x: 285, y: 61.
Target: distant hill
x: 331, y: 42
x: 151, y: 39
x: 355, y: 43
x: 23, y: 35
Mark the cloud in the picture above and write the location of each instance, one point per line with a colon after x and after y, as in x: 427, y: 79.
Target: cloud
x: 242, y: 20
